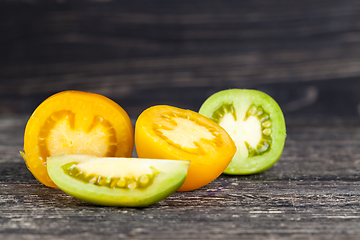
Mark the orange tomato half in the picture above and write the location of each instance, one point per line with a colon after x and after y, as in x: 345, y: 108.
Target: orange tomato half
x: 74, y: 122
x: 165, y: 132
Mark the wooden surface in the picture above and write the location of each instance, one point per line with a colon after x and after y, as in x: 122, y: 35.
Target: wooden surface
x: 305, y: 54
x: 312, y: 192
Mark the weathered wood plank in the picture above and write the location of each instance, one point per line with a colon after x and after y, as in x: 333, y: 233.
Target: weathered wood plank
x: 303, y: 53
x: 311, y: 193
x: 143, y: 54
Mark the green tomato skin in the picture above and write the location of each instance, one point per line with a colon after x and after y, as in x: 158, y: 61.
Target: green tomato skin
x: 242, y: 99
x: 171, y: 176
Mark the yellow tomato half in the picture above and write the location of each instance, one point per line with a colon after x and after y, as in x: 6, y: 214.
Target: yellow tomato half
x: 165, y: 132
x: 74, y: 122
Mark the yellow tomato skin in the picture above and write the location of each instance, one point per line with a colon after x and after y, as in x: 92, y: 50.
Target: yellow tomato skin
x: 210, y: 155
x: 75, y: 122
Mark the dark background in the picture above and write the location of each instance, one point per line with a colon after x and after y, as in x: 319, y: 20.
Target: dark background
x: 305, y: 54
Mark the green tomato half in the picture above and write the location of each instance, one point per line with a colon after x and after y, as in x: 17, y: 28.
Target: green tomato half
x: 129, y: 182
x: 256, y: 124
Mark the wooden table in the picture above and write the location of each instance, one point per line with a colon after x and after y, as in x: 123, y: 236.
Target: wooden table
x: 305, y: 54
x: 312, y: 192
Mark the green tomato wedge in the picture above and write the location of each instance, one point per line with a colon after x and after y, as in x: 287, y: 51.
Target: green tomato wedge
x: 128, y: 182
x: 256, y: 124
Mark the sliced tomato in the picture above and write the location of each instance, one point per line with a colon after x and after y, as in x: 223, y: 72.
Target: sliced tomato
x: 130, y: 182
x: 165, y: 132
x: 74, y: 122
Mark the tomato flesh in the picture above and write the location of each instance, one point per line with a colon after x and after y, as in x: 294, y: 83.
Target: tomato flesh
x: 165, y: 132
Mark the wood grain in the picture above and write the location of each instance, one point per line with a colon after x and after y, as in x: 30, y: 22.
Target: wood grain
x: 305, y: 54
x: 312, y: 192
x: 160, y: 51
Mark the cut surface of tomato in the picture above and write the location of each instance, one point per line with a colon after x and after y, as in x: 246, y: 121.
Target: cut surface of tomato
x: 255, y: 122
x: 75, y: 122
x: 165, y: 132
x: 109, y: 181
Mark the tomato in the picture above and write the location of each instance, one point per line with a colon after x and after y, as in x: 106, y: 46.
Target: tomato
x: 165, y: 132
x: 256, y: 124
x: 74, y: 122
x: 130, y: 182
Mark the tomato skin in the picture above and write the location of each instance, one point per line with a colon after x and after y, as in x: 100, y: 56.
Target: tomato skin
x: 87, y: 119
x: 206, y: 165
